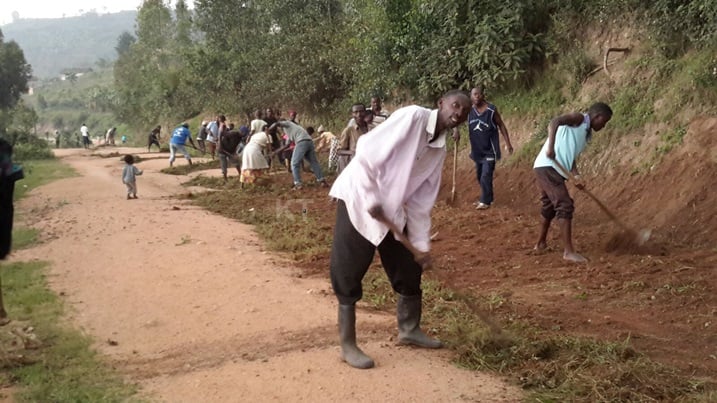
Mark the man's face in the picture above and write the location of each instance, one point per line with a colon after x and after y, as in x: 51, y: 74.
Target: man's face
x: 598, y: 122
x: 453, y: 110
x: 269, y: 112
x: 358, y: 112
x: 375, y: 104
x: 477, y: 96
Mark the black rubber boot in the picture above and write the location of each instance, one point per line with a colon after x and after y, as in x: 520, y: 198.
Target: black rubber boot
x: 409, y: 323
x: 347, y: 332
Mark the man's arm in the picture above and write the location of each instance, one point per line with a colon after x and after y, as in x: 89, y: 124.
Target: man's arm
x: 503, y: 130
x: 571, y: 119
x: 189, y: 137
x: 418, y: 212
x: 345, y: 141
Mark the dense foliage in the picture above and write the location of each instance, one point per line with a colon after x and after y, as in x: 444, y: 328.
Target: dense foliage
x: 321, y: 55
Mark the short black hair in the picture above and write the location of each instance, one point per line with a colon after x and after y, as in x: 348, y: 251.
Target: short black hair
x: 451, y: 93
x: 129, y: 158
x: 600, y: 108
x: 310, y: 130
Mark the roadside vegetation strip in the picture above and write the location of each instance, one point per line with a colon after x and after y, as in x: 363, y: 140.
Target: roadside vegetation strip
x: 41, y: 356
x: 552, y: 366
x: 40, y: 172
x: 23, y: 237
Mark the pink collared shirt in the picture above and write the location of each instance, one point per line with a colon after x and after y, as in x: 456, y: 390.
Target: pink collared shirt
x: 397, y: 168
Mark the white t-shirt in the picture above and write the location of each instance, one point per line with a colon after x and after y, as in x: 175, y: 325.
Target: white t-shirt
x: 85, y: 132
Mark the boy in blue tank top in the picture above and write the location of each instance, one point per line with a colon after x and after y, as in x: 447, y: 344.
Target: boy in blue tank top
x: 567, y: 137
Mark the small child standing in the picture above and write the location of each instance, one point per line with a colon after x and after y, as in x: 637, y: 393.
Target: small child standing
x: 129, y: 176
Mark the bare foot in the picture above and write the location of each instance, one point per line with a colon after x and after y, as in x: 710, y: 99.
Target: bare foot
x: 574, y: 257
x: 540, y: 246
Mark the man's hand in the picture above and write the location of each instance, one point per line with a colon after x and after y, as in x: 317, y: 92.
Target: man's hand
x: 424, y: 260
x: 375, y: 211
x: 456, y: 135
x: 578, y: 182
x: 509, y: 147
x: 550, y: 153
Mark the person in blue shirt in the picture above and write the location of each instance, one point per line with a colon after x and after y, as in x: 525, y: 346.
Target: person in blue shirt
x: 484, y: 123
x: 567, y: 137
x: 180, y: 135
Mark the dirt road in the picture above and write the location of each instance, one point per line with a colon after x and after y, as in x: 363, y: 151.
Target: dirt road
x: 200, y: 312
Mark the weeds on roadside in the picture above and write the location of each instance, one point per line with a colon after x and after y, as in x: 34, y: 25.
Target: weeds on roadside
x: 47, y: 359
x: 23, y: 237
x: 39, y: 172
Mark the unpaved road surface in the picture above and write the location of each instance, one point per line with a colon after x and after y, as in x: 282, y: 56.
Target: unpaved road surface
x: 200, y: 312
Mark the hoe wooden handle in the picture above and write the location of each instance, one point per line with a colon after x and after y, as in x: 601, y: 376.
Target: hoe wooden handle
x: 597, y: 201
x: 421, y: 258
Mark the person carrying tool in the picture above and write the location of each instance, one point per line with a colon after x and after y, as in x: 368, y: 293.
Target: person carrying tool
x: 180, y: 135
x: 567, y: 137
x: 484, y: 122
x: 402, y: 187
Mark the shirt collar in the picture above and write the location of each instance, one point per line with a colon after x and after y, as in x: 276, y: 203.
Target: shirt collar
x: 586, y: 120
x: 431, y: 130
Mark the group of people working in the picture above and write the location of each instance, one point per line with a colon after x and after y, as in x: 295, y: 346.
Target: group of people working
x: 389, y: 176
x: 386, y: 193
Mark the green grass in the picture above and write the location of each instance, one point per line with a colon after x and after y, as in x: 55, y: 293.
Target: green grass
x: 40, y: 172
x: 23, y: 237
x: 60, y: 366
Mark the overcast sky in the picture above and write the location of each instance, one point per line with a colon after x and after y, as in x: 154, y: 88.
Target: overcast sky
x: 67, y: 8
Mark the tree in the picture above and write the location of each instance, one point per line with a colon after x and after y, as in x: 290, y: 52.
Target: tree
x: 183, y: 34
x: 124, y: 43
x: 15, y: 72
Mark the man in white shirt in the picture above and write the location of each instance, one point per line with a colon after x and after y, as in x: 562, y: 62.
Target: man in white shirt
x: 397, y: 167
x: 85, y: 135
x: 214, y: 129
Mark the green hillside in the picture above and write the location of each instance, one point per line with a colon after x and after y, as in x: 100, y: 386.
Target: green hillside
x: 52, y: 45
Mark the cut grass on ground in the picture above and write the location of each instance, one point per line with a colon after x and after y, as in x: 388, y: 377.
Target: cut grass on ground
x: 552, y: 367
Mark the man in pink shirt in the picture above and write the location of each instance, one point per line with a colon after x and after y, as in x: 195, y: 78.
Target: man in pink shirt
x: 397, y: 167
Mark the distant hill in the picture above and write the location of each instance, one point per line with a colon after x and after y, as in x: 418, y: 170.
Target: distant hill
x: 52, y: 45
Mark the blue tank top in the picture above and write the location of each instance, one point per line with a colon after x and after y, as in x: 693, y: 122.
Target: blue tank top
x: 483, y: 134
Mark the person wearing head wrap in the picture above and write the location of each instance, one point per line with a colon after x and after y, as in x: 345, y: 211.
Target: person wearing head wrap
x: 254, y: 162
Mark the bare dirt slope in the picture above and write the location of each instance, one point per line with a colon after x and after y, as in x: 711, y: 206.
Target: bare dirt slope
x: 188, y: 305
x: 661, y: 298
